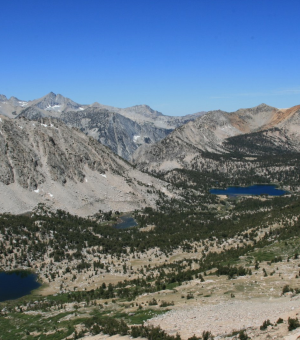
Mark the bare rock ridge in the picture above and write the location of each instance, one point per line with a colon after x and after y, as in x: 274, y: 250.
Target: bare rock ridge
x: 255, y: 131
x: 132, y: 126
x: 46, y: 161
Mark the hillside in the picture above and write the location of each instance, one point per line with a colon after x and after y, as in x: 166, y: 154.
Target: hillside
x: 235, y: 262
x: 47, y: 162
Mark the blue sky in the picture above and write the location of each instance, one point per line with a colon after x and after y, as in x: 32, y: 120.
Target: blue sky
x: 179, y: 57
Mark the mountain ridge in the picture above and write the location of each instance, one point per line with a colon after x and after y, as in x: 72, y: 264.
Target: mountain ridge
x: 217, y: 130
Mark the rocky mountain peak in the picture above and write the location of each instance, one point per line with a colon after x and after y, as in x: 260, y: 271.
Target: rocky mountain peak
x: 144, y: 110
x: 264, y: 106
x: 102, y: 106
x: 15, y: 101
x: 96, y: 104
x: 55, y: 103
x: 3, y: 98
x: 51, y: 94
x: 255, y: 110
x: 51, y: 97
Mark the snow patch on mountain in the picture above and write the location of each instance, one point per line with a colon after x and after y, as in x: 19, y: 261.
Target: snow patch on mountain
x: 53, y: 107
x: 135, y: 138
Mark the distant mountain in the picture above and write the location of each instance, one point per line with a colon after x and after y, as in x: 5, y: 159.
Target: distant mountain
x: 11, y: 107
x: 121, y: 134
x: 254, y: 131
x: 47, y: 162
x: 51, y: 105
x: 123, y: 130
x: 56, y: 103
x: 144, y: 113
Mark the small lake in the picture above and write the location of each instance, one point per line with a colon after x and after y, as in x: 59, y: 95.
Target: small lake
x: 127, y: 222
x: 251, y: 190
x: 14, y: 285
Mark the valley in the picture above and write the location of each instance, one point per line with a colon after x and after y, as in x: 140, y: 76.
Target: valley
x: 194, y: 272
x: 195, y: 265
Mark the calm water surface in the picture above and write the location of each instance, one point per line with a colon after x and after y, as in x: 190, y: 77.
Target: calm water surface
x: 127, y: 222
x: 16, y: 284
x: 251, y: 190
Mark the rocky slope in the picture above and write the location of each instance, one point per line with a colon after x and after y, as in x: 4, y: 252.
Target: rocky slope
x: 255, y: 131
x: 124, y: 130
x: 47, y: 162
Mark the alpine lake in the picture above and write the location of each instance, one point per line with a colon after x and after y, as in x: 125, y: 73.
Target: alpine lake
x: 16, y: 284
x: 253, y: 190
x: 125, y: 222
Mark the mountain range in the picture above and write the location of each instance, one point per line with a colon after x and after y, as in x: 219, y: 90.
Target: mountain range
x: 75, y: 157
x: 248, y: 132
x: 123, y: 130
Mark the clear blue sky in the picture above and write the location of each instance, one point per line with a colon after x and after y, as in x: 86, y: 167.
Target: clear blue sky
x: 179, y: 57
